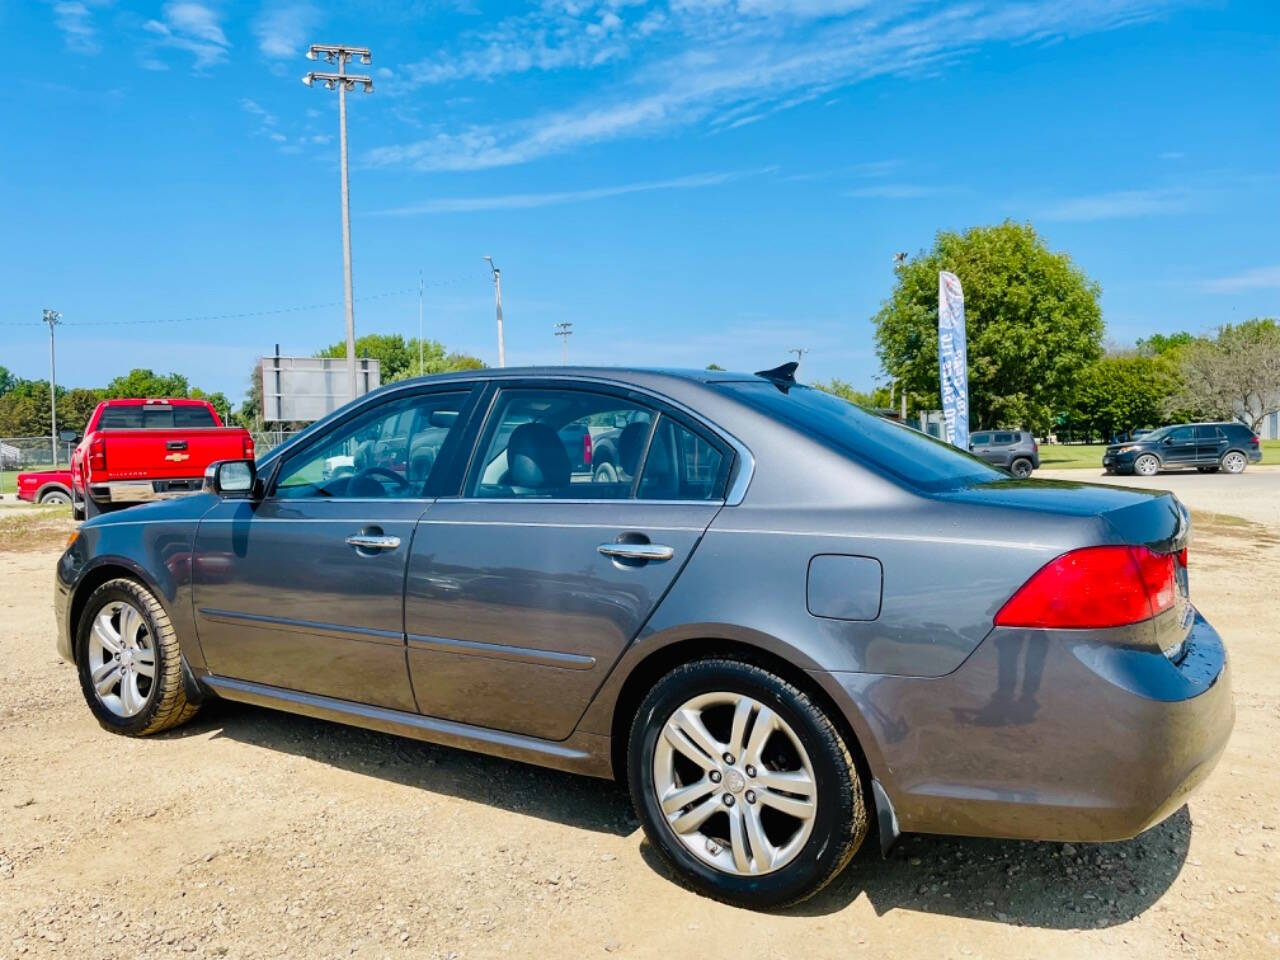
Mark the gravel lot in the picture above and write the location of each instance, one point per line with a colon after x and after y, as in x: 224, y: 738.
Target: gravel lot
x: 256, y: 834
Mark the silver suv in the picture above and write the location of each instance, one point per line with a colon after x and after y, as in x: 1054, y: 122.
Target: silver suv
x: 1015, y: 450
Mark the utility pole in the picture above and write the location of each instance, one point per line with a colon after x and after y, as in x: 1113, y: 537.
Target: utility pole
x: 419, y: 323
x: 799, y: 352
x: 564, y: 330
x: 497, y: 296
x: 53, y: 318
x: 342, y: 82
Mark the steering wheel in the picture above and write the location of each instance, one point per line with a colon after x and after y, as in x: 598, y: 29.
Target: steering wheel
x: 370, y: 473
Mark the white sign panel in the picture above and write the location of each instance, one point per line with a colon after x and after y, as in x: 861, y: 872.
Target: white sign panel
x: 308, y: 388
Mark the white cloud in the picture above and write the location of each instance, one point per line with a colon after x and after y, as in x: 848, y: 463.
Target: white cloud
x: 525, y: 201
x: 707, y: 62
x: 191, y: 27
x: 74, y: 18
x: 1121, y: 204
x: 1259, y: 278
x: 897, y: 191
x: 283, y: 28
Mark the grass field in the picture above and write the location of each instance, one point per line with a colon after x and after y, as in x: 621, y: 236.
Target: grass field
x: 1089, y: 455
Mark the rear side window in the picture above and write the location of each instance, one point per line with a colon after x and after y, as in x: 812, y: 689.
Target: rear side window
x: 1004, y: 438
x: 907, y: 455
x: 1208, y: 433
x: 1238, y: 432
x: 681, y: 465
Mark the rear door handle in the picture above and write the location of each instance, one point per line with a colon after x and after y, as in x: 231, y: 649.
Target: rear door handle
x: 369, y: 542
x: 637, y: 551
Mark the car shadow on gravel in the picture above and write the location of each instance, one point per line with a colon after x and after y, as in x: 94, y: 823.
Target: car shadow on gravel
x: 1059, y: 886
x: 583, y: 802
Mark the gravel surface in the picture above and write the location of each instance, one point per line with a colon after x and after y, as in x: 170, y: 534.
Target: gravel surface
x: 256, y: 834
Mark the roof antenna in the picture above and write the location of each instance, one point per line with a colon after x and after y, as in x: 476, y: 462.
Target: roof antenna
x: 784, y: 375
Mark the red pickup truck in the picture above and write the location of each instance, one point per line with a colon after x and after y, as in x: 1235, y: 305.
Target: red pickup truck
x: 45, y: 486
x: 134, y: 451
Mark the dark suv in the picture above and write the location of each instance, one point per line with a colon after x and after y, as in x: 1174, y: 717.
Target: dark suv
x: 1206, y: 446
x: 1015, y: 450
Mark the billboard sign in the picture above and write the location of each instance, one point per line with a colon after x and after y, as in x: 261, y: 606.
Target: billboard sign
x: 308, y: 388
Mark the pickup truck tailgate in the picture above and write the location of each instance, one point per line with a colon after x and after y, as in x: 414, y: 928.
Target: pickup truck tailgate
x: 163, y: 454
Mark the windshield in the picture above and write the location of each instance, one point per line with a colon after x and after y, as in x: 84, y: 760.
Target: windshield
x: 903, y: 453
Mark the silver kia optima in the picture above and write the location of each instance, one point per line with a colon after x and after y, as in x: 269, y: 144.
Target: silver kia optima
x: 777, y: 617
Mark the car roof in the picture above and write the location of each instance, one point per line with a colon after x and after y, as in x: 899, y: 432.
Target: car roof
x: 623, y: 374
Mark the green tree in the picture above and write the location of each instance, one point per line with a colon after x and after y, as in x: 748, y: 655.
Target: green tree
x: 398, y: 356
x: 7, y: 381
x: 1162, y: 344
x: 1236, y: 374
x: 876, y: 399
x: 1033, y: 323
x: 1124, y: 391
x: 24, y: 410
x: 714, y: 366
x: 141, y: 382
x: 76, y: 406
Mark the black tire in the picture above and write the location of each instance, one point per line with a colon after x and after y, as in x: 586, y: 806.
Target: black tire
x: 840, y: 820
x: 54, y: 495
x: 166, y: 705
x: 1021, y: 468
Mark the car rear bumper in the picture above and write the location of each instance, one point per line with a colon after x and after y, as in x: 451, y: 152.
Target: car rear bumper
x: 145, y: 491
x: 1047, y: 735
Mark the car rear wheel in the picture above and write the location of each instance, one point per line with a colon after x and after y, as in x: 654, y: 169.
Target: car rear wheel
x: 744, y: 785
x: 129, y: 662
x: 1021, y: 468
x: 1233, y: 461
x: 1147, y: 465
x: 55, y: 497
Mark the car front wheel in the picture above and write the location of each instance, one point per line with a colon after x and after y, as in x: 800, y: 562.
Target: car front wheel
x: 1146, y: 465
x: 129, y: 663
x: 744, y: 785
x: 1233, y: 461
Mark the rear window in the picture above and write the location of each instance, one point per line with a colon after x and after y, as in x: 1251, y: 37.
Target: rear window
x: 154, y: 417
x: 908, y: 455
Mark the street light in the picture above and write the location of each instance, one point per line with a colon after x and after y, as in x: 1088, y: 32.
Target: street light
x: 342, y: 82
x: 564, y: 330
x: 53, y: 318
x: 497, y: 298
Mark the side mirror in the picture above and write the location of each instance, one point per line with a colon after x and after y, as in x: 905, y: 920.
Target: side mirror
x: 232, y: 479
x: 68, y: 436
x: 1168, y: 440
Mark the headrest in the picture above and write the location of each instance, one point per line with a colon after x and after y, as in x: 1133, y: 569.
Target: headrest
x: 536, y: 458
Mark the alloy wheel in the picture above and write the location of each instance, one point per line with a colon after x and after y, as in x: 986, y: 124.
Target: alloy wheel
x: 122, y: 659
x: 1233, y: 462
x: 1146, y: 466
x: 735, y: 783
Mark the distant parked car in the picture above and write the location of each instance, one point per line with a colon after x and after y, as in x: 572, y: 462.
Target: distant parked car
x: 45, y: 486
x: 1015, y: 450
x: 1206, y: 446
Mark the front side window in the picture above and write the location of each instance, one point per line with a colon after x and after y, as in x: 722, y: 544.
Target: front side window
x: 562, y: 444
x: 388, y: 452
x: 980, y: 439
x: 1181, y: 434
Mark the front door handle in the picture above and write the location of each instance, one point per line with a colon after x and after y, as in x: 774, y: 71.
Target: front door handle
x: 637, y: 551
x: 363, y: 541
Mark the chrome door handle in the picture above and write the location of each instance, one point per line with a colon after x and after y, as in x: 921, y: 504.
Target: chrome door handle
x: 367, y: 542
x: 637, y: 551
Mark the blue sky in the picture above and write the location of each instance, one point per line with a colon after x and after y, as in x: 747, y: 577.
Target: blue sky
x: 687, y: 182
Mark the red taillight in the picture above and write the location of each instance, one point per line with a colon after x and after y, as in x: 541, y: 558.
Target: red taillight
x: 1094, y: 587
x: 98, y: 454
x: 1253, y: 441
x: 248, y: 448
x: 586, y: 449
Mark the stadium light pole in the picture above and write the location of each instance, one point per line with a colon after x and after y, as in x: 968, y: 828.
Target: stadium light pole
x: 497, y: 296
x: 342, y: 82
x: 53, y: 318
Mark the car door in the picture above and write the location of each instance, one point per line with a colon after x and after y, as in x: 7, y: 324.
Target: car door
x: 1178, y: 448
x: 304, y: 588
x: 525, y: 589
x: 979, y: 444
x: 1210, y: 444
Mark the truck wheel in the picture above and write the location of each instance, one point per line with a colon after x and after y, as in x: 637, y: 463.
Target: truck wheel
x: 129, y: 662
x: 1021, y: 468
x: 1233, y: 461
x: 55, y: 496
x: 1147, y: 465
x: 605, y: 473
x: 743, y: 784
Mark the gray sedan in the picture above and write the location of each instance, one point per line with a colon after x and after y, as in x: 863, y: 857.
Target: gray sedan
x: 781, y: 620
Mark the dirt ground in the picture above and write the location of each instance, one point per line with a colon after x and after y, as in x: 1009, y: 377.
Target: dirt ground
x: 256, y: 834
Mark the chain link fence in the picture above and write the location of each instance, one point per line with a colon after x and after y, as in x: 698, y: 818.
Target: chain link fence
x: 264, y: 440
x: 21, y: 454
